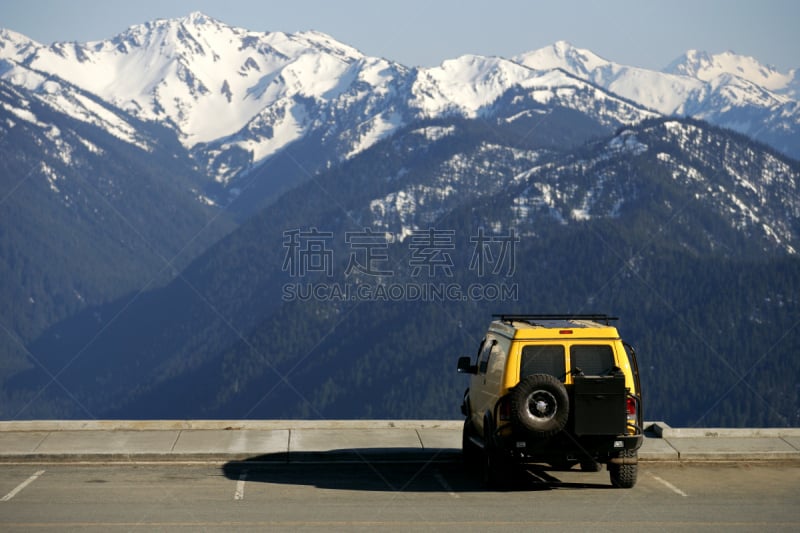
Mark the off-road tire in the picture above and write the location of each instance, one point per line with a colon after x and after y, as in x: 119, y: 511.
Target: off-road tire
x: 470, y: 452
x: 540, y: 405
x: 624, y: 476
x: 495, y: 467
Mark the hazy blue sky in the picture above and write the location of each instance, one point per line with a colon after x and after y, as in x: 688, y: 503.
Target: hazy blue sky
x: 424, y: 32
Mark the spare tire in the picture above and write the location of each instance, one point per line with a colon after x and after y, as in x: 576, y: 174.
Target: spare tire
x: 540, y: 405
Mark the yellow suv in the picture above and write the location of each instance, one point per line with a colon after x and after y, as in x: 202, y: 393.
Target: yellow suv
x: 557, y: 389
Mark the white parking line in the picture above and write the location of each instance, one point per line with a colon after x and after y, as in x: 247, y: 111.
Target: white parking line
x: 22, y: 486
x: 239, y: 494
x: 670, y: 486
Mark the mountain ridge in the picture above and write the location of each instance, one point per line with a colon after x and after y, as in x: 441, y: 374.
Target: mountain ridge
x: 276, y: 88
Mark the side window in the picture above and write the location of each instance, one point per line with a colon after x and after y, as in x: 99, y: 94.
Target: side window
x: 543, y: 359
x: 497, y: 356
x: 480, y: 350
x: 486, y: 352
x: 592, y: 360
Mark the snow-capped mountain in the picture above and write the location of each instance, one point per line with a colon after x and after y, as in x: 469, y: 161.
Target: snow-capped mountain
x: 236, y: 97
x: 706, y: 67
x: 654, y: 90
x: 72, y: 101
x: 204, y: 78
x: 728, y: 90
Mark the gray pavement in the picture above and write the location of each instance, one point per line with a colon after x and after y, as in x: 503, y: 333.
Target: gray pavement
x: 337, y: 440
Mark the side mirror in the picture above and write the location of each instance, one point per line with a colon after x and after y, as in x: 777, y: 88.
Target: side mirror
x: 465, y: 366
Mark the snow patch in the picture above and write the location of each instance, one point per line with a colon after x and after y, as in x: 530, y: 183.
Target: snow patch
x: 23, y: 114
x: 435, y: 133
x: 93, y: 148
x: 627, y: 142
x: 51, y: 176
x: 375, y: 130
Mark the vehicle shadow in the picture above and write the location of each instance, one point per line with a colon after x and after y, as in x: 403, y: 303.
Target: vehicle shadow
x: 337, y: 470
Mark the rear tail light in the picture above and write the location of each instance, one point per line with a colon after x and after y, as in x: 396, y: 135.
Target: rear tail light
x: 630, y: 406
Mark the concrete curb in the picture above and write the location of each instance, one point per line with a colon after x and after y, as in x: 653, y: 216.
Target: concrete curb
x: 141, y: 425
x: 335, y: 441
x: 662, y: 430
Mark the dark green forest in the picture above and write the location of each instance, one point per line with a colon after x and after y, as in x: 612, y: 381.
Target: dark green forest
x: 708, y: 298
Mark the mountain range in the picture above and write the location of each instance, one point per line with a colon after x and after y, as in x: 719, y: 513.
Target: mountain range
x: 237, y: 97
x: 152, y: 185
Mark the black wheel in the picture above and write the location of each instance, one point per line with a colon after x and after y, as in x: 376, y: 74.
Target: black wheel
x: 624, y: 476
x: 494, y: 467
x: 540, y: 405
x: 470, y: 452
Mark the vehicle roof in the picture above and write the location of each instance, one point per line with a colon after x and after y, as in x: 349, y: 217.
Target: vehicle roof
x: 553, y: 328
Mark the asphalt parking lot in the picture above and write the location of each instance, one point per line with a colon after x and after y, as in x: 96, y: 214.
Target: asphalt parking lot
x: 393, y: 496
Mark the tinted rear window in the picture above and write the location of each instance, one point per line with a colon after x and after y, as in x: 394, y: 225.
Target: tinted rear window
x: 543, y: 360
x: 592, y: 360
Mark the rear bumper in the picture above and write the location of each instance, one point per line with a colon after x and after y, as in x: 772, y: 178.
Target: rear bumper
x: 569, y: 447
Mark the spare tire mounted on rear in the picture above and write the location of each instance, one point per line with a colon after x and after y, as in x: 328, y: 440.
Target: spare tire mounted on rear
x: 540, y: 405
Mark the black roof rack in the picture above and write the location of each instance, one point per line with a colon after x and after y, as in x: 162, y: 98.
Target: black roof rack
x: 528, y: 318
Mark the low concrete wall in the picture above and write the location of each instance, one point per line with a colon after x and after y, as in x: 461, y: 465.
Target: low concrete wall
x: 152, y: 425
x: 336, y: 440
